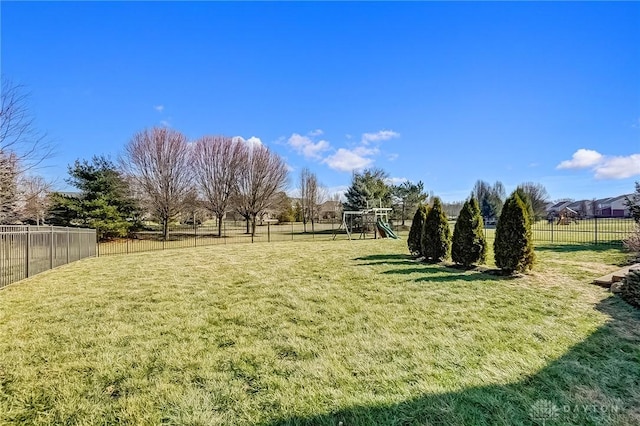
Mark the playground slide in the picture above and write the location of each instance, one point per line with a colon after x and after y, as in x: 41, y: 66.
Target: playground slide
x: 385, y: 230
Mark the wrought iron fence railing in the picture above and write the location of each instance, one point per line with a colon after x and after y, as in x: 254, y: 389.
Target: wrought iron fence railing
x: 27, y: 250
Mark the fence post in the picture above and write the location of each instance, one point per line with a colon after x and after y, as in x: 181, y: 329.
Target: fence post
x: 27, y: 250
x: 596, y: 230
x: 68, y: 244
x: 268, y: 232
x: 51, y: 251
x: 291, y: 231
x: 552, y: 231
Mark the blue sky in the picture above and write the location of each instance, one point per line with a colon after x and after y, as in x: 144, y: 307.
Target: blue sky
x: 446, y: 93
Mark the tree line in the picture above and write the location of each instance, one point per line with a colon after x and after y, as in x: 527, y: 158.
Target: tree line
x: 162, y: 173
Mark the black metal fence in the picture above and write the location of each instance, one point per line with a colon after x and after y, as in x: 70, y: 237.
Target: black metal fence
x: 29, y: 250
x: 230, y: 233
x: 610, y: 231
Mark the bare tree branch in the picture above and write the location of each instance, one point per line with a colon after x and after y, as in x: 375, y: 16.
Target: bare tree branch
x: 261, y: 175
x: 34, y: 198
x: 18, y: 133
x: 158, y: 160
x: 216, y: 160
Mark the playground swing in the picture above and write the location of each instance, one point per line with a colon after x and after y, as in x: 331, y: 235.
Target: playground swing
x: 374, y: 218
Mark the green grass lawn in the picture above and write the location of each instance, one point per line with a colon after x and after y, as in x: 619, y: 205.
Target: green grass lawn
x: 305, y: 333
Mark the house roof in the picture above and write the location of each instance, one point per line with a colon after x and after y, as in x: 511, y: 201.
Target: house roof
x: 621, y: 197
x: 559, y: 205
x: 578, y: 204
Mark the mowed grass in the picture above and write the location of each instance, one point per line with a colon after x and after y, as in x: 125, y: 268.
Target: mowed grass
x: 317, y: 334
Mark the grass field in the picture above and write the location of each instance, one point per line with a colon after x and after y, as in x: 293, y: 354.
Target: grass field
x: 307, y: 333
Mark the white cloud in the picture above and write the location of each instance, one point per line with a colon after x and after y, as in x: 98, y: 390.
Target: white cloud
x: 382, y: 135
x: 346, y: 160
x: 364, y: 151
x: 619, y: 167
x: 308, y: 148
x: 604, y: 167
x: 339, y: 191
x: 159, y: 108
x: 581, y: 159
x: 393, y: 157
x: 165, y: 123
x: 316, y: 132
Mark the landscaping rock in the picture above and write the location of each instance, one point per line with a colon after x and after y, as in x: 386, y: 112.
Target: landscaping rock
x: 616, y: 287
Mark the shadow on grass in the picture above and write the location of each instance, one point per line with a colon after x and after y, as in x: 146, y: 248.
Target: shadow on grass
x: 440, y: 273
x: 385, y: 257
x: 573, y: 248
x: 322, y: 232
x: 596, y: 382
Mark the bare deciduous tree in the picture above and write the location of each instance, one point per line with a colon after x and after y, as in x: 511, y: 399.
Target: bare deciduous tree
x: 316, y: 195
x: 22, y: 146
x: 304, y: 208
x: 216, y: 160
x: 312, y: 195
x: 261, y: 175
x: 34, y: 198
x: 18, y: 133
x: 158, y: 160
x: 539, y: 198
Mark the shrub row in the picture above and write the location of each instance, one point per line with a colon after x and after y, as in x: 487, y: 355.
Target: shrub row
x: 430, y: 236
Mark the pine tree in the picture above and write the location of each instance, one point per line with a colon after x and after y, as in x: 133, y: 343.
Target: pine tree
x: 414, y: 241
x: 104, y: 201
x: 469, y: 245
x: 513, y: 246
x: 436, y: 234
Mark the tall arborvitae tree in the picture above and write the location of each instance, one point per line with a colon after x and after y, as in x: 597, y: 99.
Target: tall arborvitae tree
x: 527, y: 202
x: 469, y: 245
x: 513, y: 246
x: 436, y: 234
x: 414, y: 241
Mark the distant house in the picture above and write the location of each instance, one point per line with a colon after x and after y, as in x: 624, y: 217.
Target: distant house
x: 330, y: 209
x: 556, y: 208
x: 584, y: 208
x: 613, y: 207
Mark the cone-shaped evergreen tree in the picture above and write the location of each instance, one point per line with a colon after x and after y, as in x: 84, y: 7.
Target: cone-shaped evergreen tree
x: 469, y: 245
x: 436, y: 234
x: 513, y: 246
x: 415, y: 233
x: 527, y: 202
